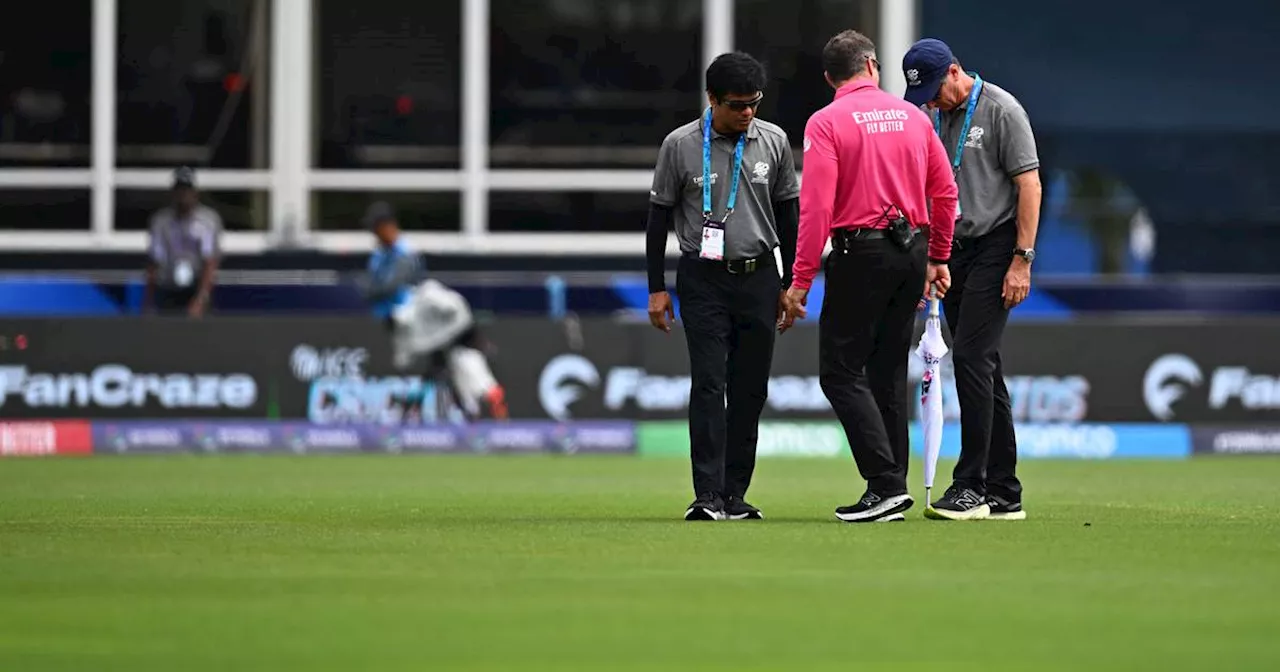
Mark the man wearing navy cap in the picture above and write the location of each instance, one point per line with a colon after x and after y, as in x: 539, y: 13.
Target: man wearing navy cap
x: 992, y: 150
x: 393, y: 267
x: 183, y: 249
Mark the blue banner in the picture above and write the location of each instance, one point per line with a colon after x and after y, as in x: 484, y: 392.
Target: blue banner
x: 1087, y: 441
x: 301, y: 438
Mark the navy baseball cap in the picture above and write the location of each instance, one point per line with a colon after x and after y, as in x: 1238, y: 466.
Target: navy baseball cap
x: 377, y: 213
x: 925, y: 66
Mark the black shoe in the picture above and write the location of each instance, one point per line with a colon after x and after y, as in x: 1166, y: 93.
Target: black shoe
x: 959, y: 503
x: 874, y: 508
x: 706, y: 507
x: 736, y: 508
x: 1004, y: 509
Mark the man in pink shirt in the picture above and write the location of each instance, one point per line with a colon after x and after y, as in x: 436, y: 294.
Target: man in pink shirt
x: 874, y: 174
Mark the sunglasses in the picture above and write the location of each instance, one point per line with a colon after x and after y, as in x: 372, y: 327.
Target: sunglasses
x: 740, y: 105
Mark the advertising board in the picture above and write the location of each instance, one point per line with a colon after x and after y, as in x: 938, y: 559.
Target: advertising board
x: 1236, y: 439
x: 326, y: 371
x: 23, y: 438
x: 129, y: 437
x: 333, y: 371
x: 1087, y: 441
x: 1087, y: 371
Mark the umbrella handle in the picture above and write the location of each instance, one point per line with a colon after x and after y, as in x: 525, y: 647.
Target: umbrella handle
x: 933, y: 302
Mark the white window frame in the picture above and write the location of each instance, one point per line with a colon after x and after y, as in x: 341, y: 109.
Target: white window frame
x: 292, y: 179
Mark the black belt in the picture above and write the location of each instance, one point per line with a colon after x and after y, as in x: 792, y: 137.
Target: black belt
x: 843, y: 239
x: 961, y: 242
x: 736, y: 266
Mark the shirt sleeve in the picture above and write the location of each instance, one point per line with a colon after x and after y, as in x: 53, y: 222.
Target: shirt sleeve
x: 787, y: 215
x: 940, y: 188
x: 155, y: 244
x: 785, y: 184
x: 817, y: 199
x: 211, y: 242
x: 655, y: 246
x: 666, y: 174
x: 1017, y: 141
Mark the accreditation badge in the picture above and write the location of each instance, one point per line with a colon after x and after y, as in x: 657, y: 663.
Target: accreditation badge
x: 183, y: 273
x: 712, y: 240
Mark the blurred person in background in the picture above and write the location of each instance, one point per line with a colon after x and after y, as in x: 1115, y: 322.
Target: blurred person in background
x: 427, y: 320
x: 874, y: 175
x: 726, y: 183
x: 393, y: 268
x: 183, y: 251
x: 992, y: 152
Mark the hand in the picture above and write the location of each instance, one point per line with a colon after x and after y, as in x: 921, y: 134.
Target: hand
x: 661, y: 314
x: 937, y: 278
x: 781, y: 318
x: 196, y: 309
x: 793, y: 307
x: 1017, y: 283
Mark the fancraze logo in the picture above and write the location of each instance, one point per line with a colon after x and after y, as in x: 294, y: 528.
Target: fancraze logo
x: 118, y: 386
x: 566, y: 379
x: 1172, y: 376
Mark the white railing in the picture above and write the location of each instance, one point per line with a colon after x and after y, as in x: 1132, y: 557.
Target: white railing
x: 291, y: 178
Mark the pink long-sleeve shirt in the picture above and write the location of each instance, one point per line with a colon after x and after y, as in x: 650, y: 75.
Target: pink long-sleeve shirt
x: 864, y: 152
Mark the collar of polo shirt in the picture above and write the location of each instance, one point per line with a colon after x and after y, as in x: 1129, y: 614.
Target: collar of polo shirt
x: 855, y: 85
x: 752, y: 132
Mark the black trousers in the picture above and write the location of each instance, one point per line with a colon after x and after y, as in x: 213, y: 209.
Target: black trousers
x: 865, y: 330
x: 174, y: 301
x: 976, y: 316
x: 730, y: 321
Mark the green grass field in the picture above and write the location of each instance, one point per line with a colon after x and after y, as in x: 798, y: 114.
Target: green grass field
x: 489, y: 563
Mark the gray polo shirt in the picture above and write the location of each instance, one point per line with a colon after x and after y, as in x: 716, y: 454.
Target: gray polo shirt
x: 179, y: 246
x: 1000, y: 145
x: 768, y: 176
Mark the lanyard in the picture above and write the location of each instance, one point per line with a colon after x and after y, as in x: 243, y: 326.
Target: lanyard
x: 706, y: 169
x: 968, y: 118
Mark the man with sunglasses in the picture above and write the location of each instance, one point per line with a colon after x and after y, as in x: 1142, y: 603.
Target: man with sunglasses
x: 875, y: 176
x: 726, y: 183
x: 992, y: 153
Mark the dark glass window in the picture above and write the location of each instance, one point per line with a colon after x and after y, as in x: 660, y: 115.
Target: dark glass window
x: 240, y: 210
x: 389, y: 93
x: 580, y: 84
x: 424, y: 211
x: 191, y: 83
x: 45, y: 75
x: 45, y: 209
x: 788, y: 38
x: 610, y: 212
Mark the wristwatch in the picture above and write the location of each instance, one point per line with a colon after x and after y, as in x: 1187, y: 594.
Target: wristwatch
x: 1029, y: 254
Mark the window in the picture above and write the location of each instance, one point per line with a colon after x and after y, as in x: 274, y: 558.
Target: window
x: 537, y: 211
x: 583, y: 84
x: 788, y: 38
x: 191, y: 83
x: 240, y: 210
x: 45, y: 209
x: 427, y: 211
x: 389, y: 93
x: 45, y: 73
